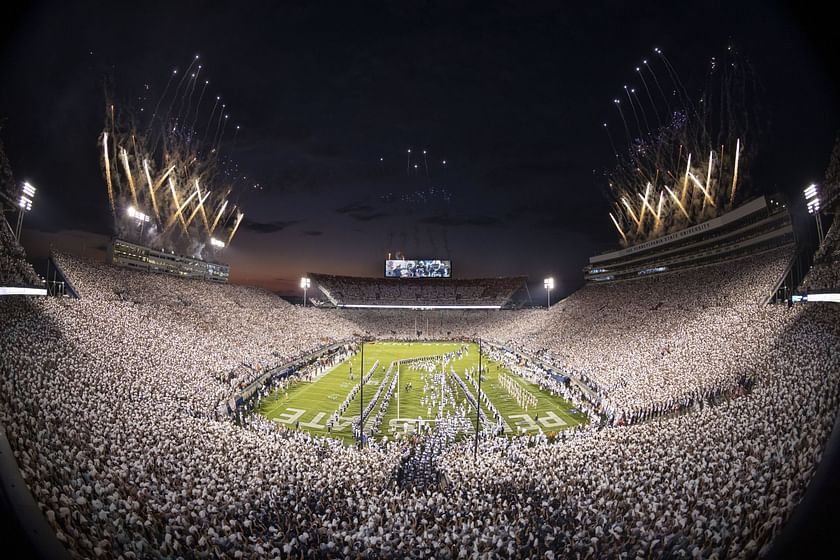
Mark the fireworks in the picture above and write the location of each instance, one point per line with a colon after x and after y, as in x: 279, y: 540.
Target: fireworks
x: 163, y: 169
x: 685, y: 152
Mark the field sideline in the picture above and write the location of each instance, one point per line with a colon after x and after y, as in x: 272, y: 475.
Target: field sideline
x: 309, y: 405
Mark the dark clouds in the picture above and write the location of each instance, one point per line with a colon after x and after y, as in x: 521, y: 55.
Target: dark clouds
x: 270, y: 227
x: 456, y: 221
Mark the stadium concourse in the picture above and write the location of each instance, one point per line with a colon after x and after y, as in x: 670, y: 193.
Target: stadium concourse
x: 717, y: 409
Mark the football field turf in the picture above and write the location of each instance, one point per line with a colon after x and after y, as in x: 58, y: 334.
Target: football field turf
x: 524, y: 407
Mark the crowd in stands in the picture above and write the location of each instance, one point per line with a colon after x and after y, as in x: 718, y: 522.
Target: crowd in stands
x: 107, y: 401
x: 351, y: 290
x: 15, y: 271
x: 825, y: 273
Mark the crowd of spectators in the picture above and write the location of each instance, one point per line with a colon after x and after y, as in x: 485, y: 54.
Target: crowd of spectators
x: 825, y: 272
x: 15, y: 271
x: 352, y: 290
x: 107, y: 401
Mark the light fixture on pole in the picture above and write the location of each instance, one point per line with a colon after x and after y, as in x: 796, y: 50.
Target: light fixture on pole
x: 27, y: 195
x: 217, y: 243
x: 548, y: 283
x: 305, y: 283
x: 812, y: 201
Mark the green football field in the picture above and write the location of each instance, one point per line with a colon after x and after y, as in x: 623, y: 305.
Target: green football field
x: 523, y: 406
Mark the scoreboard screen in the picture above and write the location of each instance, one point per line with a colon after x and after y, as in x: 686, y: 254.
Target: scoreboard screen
x: 418, y: 269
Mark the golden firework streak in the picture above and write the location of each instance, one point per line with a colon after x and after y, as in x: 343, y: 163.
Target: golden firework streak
x: 151, y: 191
x: 160, y: 181
x: 218, y: 215
x: 709, y: 177
x: 201, y: 206
x: 630, y: 209
x: 677, y: 200
x: 685, y: 182
x: 130, y: 177
x: 735, y: 174
x: 108, y: 173
x: 703, y: 190
x: 178, y: 207
x: 645, y: 199
x: 198, y: 207
x: 618, y: 227
x: 235, y: 227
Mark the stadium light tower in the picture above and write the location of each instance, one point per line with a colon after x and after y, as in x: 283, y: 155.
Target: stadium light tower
x: 27, y: 195
x: 548, y: 283
x: 141, y: 218
x: 812, y: 200
x: 305, y: 283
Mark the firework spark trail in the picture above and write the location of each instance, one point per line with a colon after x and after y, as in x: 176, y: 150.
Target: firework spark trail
x: 198, y: 106
x: 709, y: 177
x: 685, y: 181
x: 198, y: 206
x: 618, y: 227
x: 677, y: 201
x: 659, y: 206
x: 178, y: 215
x: 108, y: 173
x: 735, y: 173
x: 164, y: 129
x: 218, y: 128
x: 157, y: 105
x: 645, y: 201
x: 703, y: 190
x: 189, y: 131
x: 612, y: 144
x: 175, y: 97
x: 642, y: 111
x: 235, y: 135
x: 152, y: 192
x: 218, y: 215
x: 624, y: 122
x: 164, y: 177
x: 630, y: 210
x: 177, y: 122
x: 201, y: 206
x: 210, y: 121
x: 633, y: 108
x: 675, y: 79
x: 222, y: 133
x: 650, y: 97
x: 646, y: 205
x: 129, y: 176
x: 659, y: 87
x: 235, y: 227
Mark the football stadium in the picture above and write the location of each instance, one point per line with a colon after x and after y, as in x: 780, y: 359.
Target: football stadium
x: 680, y: 402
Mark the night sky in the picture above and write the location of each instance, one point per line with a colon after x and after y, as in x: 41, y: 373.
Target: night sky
x: 512, y: 95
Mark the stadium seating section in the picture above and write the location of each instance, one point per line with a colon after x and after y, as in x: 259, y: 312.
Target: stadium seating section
x: 717, y: 410
x: 350, y: 290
